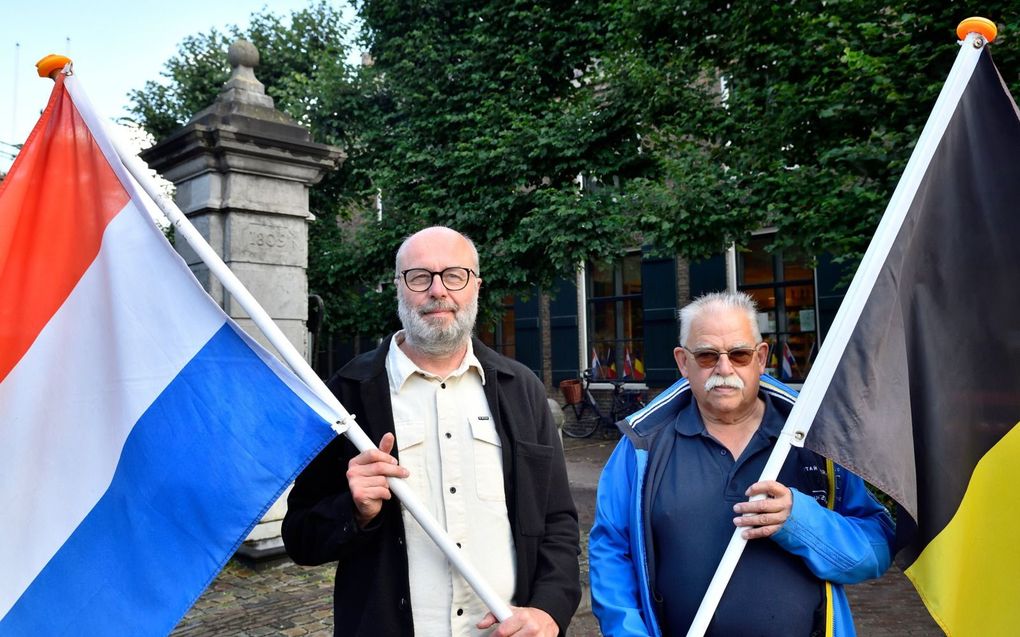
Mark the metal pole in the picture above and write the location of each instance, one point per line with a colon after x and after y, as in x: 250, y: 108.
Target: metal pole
x: 582, y: 319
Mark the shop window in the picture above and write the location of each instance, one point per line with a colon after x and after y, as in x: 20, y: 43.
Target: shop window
x: 784, y: 289
x: 616, y: 319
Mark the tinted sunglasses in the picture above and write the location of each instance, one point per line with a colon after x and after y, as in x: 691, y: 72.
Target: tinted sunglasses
x: 707, y: 358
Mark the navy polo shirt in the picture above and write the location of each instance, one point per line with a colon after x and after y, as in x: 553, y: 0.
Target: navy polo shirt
x: 695, y: 485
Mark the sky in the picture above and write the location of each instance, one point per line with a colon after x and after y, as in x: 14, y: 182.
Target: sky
x: 116, y: 47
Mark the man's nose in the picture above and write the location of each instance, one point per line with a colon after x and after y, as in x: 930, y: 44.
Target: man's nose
x: 724, y: 367
x: 437, y: 287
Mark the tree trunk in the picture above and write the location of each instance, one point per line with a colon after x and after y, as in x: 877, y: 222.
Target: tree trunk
x: 545, y: 328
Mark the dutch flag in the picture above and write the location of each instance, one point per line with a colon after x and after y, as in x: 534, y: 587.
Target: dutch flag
x: 143, y: 433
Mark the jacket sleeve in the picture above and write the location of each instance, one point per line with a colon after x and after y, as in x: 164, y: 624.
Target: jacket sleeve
x: 319, y: 526
x: 556, y: 583
x: 613, y: 568
x: 847, y: 545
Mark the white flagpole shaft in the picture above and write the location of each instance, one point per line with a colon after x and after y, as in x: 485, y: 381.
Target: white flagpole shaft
x: 345, y: 423
x: 815, y: 387
x: 428, y: 522
x: 735, y: 548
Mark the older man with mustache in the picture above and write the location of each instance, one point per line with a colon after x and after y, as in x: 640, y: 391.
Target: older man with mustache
x: 677, y: 485
x: 474, y: 437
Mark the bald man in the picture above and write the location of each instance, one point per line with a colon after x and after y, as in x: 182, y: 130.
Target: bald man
x: 472, y: 433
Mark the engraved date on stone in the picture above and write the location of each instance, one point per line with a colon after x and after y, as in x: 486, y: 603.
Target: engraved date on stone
x: 265, y: 237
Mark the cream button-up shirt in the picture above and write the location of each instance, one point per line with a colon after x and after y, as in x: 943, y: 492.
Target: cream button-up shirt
x: 447, y: 440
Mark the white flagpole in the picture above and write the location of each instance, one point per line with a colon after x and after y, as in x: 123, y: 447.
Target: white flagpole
x: 817, y: 383
x: 345, y: 423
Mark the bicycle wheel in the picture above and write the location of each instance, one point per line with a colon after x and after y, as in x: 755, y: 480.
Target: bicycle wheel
x: 579, y: 420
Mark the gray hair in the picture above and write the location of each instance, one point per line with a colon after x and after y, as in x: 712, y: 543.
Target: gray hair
x: 719, y: 301
x: 403, y: 245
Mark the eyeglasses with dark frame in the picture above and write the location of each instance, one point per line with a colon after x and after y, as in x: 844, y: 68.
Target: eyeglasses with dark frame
x: 420, y: 279
x: 708, y: 358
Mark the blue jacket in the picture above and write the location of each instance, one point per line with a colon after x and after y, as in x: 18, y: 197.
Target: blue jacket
x: 847, y: 543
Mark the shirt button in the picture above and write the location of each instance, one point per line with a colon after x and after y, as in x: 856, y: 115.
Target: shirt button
x: 460, y: 611
x: 403, y: 603
x: 453, y: 489
x: 443, y: 385
x: 449, y: 435
x: 722, y: 452
x: 458, y: 544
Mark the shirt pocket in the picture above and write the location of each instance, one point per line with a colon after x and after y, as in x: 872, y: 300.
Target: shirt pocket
x: 488, y: 454
x: 411, y: 451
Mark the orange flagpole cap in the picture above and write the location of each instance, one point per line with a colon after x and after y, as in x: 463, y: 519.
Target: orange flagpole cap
x: 51, y: 63
x: 982, y: 26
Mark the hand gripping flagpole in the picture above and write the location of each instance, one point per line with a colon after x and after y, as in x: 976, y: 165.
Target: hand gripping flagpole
x: 974, y: 34
x: 344, y: 422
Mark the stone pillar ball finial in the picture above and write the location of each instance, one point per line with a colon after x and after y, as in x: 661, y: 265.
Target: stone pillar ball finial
x: 243, y: 87
x: 243, y: 53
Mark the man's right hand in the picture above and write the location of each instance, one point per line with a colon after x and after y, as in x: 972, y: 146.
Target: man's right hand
x: 366, y: 475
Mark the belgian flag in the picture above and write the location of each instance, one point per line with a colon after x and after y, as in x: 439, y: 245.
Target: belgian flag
x: 919, y: 392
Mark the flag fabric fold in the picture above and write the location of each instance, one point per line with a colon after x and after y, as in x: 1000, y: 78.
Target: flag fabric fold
x: 925, y: 400
x: 789, y: 363
x: 144, y: 433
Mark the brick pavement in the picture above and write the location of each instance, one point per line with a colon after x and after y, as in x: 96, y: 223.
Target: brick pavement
x: 291, y: 601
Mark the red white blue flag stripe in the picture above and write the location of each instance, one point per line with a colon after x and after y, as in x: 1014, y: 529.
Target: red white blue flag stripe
x: 143, y: 433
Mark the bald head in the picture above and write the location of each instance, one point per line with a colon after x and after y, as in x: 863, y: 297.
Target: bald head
x: 437, y: 321
x: 436, y: 240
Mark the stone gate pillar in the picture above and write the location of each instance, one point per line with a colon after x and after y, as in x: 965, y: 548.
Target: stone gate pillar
x: 242, y: 170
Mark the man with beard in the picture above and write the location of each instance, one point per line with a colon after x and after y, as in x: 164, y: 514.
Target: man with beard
x: 677, y: 485
x: 472, y: 433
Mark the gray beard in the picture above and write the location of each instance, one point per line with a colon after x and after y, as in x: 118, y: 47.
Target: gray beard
x: 434, y: 340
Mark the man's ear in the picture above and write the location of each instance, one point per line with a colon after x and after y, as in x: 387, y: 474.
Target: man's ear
x: 680, y: 355
x: 763, y: 356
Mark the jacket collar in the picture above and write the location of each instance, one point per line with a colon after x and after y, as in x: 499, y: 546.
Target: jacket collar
x: 373, y: 364
x: 664, y: 409
x: 400, y: 367
x: 690, y: 423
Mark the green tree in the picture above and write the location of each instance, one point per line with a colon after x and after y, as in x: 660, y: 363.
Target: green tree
x: 303, y: 63
x: 696, y: 121
x: 491, y: 112
x: 798, y: 115
x: 476, y: 115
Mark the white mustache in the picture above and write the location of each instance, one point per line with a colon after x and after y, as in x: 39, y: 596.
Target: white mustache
x: 718, y: 380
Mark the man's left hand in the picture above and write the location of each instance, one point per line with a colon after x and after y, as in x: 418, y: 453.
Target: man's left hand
x: 524, y: 622
x: 765, y: 516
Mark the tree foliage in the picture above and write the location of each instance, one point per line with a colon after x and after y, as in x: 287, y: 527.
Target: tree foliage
x: 694, y: 122
x: 490, y: 115
x: 797, y: 115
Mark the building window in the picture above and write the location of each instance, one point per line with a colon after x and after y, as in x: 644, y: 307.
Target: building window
x: 615, y: 318
x: 784, y: 288
x: 500, y: 335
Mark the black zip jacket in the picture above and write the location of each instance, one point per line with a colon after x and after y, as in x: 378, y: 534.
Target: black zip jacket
x: 372, y: 594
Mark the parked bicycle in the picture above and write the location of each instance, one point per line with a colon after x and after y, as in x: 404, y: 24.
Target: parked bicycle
x: 582, y: 414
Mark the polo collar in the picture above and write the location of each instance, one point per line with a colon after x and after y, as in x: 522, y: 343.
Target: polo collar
x: 690, y: 423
